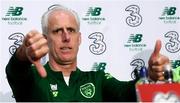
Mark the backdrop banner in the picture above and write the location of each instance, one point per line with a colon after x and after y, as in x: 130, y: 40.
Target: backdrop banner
x: 118, y: 36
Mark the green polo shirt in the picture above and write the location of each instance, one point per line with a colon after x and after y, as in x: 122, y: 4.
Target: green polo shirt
x: 89, y: 86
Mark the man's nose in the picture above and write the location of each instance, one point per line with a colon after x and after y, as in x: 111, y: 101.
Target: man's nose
x: 66, y: 36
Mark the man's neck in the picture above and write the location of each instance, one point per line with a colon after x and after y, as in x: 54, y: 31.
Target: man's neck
x: 66, y: 69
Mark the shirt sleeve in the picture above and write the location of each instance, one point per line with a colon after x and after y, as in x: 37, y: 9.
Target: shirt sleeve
x: 17, y: 69
x: 115, y: 90
x: 19, y: 76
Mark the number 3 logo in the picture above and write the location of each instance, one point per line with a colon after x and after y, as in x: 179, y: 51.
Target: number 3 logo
x: 18, y: 39
x: 137, y: 64
x: 135, y: 19
x: 173, y: 45
x: 98, y: 47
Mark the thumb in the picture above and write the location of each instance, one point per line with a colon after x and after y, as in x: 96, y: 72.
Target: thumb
x: 157, y: 48
x: 41, y: 70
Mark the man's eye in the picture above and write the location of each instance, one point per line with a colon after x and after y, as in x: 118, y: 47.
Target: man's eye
x: 71, y: 30
x: 57, y: 31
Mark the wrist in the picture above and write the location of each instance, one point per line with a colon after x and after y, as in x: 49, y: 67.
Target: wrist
x: 20, y: 54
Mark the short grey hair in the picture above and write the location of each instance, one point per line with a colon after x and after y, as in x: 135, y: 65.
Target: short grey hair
x: 45, y: 16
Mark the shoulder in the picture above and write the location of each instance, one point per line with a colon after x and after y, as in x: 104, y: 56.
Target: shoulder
x: 91, y: 74
x: 99, y: 72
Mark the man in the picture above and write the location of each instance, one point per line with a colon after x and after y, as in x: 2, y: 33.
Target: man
x: 60, y: 79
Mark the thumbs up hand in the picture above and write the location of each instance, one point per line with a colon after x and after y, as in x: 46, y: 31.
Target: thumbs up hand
x: 34, y: 47
x: 157, y: 63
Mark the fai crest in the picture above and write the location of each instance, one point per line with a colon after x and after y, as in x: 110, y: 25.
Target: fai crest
x: 87, y: 90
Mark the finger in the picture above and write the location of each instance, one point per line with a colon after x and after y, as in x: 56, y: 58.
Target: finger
x: 157, y: 48
x: 159, y: 75
x: 30, y: 34
x: 156, y: 75
x: 157, y: 68
x: 32, y: 37
x: 38, y: 53
x: 38, y: 44
x: 41, y: 70
x: 161, y: 78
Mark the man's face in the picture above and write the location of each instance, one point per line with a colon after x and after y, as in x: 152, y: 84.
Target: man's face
x: 63, y: 37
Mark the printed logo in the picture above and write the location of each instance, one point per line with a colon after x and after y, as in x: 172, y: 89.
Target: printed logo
x: 13, y: 16
x: 87, y: 90
x: 134, y: 42
x: 168, y: 15
x: 93, y: 15
x: 169, y: 11
x: 99, y: 66
x: 137, y: 65
x: 18, y: 40
x: 17, y: 11
x: 94, y: 12
x: 54, y: 90
x: 135, y: 19
x: 135, y: 38
x: 173, y: 46
x: 108, y: 76
x: 99, y: 46
x: 175, y: 63
x: 166, y: 97
x: 53, y: 6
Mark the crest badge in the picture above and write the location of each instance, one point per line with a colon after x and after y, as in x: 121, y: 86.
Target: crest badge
x: 87, y: 90
x: 54, y: 90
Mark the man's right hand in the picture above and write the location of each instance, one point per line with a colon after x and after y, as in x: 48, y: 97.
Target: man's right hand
x: 34, y: 47
x: 157, y: 62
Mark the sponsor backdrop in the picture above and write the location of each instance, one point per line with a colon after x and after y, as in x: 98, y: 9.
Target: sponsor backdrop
x: 118, y: 36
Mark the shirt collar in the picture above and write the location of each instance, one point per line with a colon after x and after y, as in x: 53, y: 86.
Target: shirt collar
x: 75, y: 75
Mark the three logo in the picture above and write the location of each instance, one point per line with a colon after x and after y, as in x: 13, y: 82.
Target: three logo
x: 137, y: 65
x: 98, y: 46
x: 18, y: 40
x: 173, y: 45
x: 135, y: 19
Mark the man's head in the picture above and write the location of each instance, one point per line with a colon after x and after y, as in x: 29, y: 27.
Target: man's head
x: 44, y: 19
x: 61, y: 28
